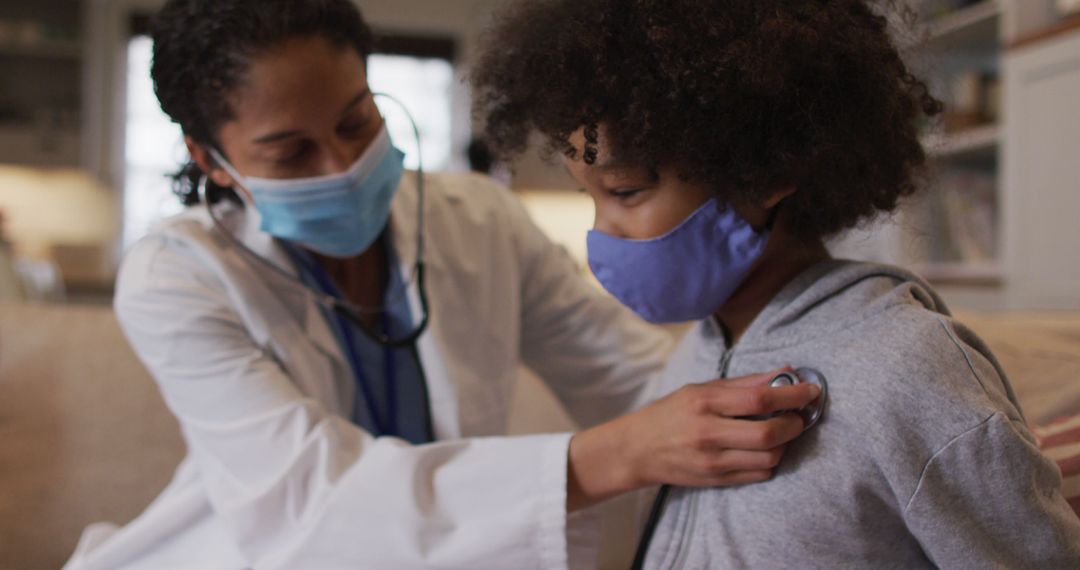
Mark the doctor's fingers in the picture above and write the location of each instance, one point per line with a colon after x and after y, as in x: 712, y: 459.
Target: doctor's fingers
x: 731, y: 478
x: 724, y: 461
x: 752, y: 435
x: 750, y: 381
x: 715, y: 398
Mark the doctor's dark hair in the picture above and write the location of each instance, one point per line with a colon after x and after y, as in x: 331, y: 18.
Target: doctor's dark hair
x: 747, y: 96
x: 203, y: 49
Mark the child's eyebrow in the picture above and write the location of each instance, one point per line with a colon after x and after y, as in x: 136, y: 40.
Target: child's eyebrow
x: 610, y: 163
x: 614, y: 162
x: 624, y: 168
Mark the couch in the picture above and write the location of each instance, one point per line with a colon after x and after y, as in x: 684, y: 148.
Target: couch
x: 85, y: 436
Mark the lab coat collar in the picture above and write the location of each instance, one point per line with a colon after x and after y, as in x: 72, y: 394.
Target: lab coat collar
x: 243, y: 222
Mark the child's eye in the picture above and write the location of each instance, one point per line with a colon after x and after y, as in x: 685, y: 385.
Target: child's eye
x: 626, y: 194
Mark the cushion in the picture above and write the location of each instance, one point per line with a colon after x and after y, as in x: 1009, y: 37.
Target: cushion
x: 1040, y: 353
x: 1060, y: 441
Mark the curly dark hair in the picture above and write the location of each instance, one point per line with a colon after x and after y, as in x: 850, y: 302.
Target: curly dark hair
x: 203, y: 49
x: 747, y: 96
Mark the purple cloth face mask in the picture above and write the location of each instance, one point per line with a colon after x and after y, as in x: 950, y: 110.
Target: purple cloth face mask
x: 683, y: 275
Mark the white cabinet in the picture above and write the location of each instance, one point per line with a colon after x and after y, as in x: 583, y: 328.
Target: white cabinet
x: 1042, y: 174
x: 951, y: 232
x: 1023, y: 168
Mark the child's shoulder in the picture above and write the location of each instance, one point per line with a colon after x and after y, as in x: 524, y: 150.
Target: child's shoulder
x: 894, y: 356
x: 921, y: 374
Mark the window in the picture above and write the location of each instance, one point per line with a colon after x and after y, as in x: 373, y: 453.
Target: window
x: 154, y: 147
x: 424, y: 86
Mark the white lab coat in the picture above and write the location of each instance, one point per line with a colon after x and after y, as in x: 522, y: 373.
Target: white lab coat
x: 277, y: 477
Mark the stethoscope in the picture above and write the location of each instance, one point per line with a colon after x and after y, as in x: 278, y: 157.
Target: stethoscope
x: 343, y: 307
x: 811, y: 415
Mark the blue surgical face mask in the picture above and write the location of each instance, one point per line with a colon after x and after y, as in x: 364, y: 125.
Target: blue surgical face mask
x: 339, y: 215
x: 684, y: 275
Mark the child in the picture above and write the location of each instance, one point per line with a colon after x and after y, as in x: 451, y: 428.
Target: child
x: 722, y: 142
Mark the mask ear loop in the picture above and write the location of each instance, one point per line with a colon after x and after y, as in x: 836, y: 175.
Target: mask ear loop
x: 319, y: 297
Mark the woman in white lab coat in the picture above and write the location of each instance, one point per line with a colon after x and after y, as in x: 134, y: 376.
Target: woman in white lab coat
x: 343, y: 402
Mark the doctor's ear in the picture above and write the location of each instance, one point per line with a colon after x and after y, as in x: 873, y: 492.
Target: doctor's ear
x: 207, y: 164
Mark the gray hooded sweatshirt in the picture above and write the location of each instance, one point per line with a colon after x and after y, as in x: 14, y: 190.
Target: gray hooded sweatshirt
x: 922, y: 459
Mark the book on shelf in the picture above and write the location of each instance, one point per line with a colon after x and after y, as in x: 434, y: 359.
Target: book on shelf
x: 967, y: 199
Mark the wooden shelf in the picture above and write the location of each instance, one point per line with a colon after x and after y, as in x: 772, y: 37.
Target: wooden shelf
x: 976, y: 274
x: 978, y: 141
x: 974, y: 25
x: 48, y: 50
x: 28, y: 146
x: 965, y: 18
x: 1063, y: 27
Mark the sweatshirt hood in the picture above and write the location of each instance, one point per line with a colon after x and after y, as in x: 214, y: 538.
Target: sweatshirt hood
x: 832, y: 296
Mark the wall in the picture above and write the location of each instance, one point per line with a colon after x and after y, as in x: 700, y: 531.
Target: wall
x: 565, y: 217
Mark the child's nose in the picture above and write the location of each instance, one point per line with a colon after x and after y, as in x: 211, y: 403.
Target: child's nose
x: 605, y: 226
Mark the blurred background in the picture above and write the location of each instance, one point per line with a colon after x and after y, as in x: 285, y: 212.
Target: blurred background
x: 85, y: 150
x: 85, y: 154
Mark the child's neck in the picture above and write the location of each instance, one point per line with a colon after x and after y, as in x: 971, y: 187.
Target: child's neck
x: 784, y: 259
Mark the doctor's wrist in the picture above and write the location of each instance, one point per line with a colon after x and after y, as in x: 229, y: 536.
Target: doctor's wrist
x: 598, y: 467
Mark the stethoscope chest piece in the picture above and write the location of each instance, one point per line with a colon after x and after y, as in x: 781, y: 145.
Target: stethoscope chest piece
x: 812, y: 412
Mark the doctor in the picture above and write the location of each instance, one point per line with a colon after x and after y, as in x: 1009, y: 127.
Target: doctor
x: 339, y: 339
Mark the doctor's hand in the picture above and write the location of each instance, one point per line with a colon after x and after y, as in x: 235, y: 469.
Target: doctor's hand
x: 697, y: 436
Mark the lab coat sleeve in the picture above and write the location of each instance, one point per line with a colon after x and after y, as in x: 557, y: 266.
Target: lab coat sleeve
x: 298, y: 487
x: 599, y: 358
x: 990, y: 499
